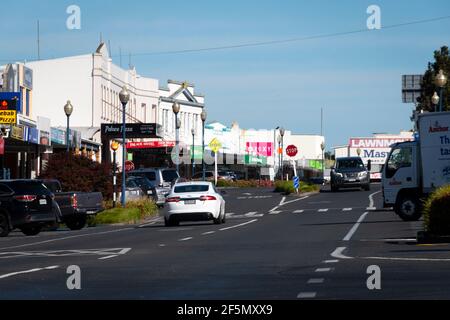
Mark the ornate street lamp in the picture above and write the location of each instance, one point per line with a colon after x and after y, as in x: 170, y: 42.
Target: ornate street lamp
x: 124, y: 97
x: 203, y: 116
x: 114, y: 147
x: 176, y: 109
x: 440, y: 81
x: 435, y: 100
x: 193, y: 151
x: 68, y: 109
x: 282, y: 132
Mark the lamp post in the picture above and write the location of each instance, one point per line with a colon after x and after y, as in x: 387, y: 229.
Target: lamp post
x: 441, y: 81
x: 435, y: 100
x: 203, y: 116
x: 124, y: 97
x: 322, y: 146
x: 282, y: 132
x: 279, y: 155
x: 193, y: 152
x: 275, y: 150
x: 68, y: 109
x: 114, y: 148
x: 176, y: 110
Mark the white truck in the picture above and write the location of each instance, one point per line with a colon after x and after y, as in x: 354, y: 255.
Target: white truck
x: 414, y: 169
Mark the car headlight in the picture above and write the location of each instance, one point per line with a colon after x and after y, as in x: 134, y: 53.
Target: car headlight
x: 362, y: 174
x: 339, y: 175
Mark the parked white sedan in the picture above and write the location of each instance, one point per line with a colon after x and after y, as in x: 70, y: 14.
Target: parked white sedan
x: 194, y: 201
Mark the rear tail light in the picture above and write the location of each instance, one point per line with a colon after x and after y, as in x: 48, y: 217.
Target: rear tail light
x: 25, y: 198
x: 74, y: 201
x: 207, y: 198
x: 173, y: 199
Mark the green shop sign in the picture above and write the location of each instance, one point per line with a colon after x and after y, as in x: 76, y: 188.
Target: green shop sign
x: 315, y: 164
x: 255, y: 160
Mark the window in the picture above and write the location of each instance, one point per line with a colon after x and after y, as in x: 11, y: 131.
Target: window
x: 399, y: 158
x: 191, y: 188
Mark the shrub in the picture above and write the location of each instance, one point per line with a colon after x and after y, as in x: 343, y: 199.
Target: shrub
x: 287, y: 187
x: 78, y: 173
x: 437, y: 212
x: 245, y: 184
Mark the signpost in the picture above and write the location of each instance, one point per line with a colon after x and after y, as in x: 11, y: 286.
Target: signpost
x: 292, y: 151
x: 215, y: 145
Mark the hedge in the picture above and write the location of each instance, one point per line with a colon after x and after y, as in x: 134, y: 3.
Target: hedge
x: 437, y: 212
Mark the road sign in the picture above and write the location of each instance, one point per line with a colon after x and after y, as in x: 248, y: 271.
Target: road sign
x: 215, y: 145
x: 291, y: 150
x: 411, y: 88
x: 296, y: 182
x: 129, y: 166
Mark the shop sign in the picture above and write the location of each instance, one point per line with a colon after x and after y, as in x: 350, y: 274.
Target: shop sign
x: 17, y: 133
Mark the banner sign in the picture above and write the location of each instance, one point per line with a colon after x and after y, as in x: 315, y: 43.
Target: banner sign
x: 150, y: 144
x: 9, y: 101
x: 264, y: 149
x: 133, y: 130
x: 32, y: 135
x: 17, y: 133
x: 382, y: 143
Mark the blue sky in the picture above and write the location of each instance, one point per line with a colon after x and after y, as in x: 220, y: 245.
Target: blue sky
x: 355, y: 78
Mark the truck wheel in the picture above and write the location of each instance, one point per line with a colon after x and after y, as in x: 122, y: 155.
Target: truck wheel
x: 408, y: 208
x: 4, y: 225
x: 334, y: 188
x: 76, y: 223
x: 31, y: 231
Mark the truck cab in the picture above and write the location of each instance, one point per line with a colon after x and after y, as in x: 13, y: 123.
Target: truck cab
x: 401, y: 182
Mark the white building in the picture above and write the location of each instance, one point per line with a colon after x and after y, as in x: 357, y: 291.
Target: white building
x: 92, y: 83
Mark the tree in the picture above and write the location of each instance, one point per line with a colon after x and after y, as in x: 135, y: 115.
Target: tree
x: 442, y: 62
x: 78, y: 173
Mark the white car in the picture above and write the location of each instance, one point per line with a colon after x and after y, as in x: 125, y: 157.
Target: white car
x: 194, y: 201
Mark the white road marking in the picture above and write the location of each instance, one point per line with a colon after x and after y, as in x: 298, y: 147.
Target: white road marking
x: 208, y: 233
x: 316, y: 281
x: 230, y: 214
x: 275, y: 212
x: 371, y: 199
x: 239, y: 225
x: 355, y: 227
x: 282, y: 203
x: 347, y: 209
x: 108, y: 257
x: 27, y: 271
x: 338, y: 253
x: 162, y: 245
x: 186, y: 239
x: 323, y: 210
x: 299, y: 211
x: 330, y: 261
x: 409, y: 259
x: 64, y: 253
x: 65, y: 238
x: 306, y: 295
x: 322, y: 270
x: 250, y: 214
x: 371, y: 209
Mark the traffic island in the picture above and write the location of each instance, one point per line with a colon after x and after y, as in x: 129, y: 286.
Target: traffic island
x: 287, y: 187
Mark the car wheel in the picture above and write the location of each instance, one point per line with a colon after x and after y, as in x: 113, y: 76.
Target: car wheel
x: 219, y: 218
x: 367, y: 187
x: 408, y: 208
x: 224, y: 218
x: 4, y: 225
x: 31, y: 231
x: 76, y: 223
x: 171, y: 222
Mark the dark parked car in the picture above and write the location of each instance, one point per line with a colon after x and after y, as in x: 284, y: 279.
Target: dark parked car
x: 75, y: 206
x: 26, y: 205
x: 147, y: 187
x: 350, y: 172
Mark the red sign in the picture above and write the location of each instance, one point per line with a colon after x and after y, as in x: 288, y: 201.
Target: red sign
x: 2, y: 146
x: 264, y: 149
x: 129, y: 166
x: 291, y: 151
x: 150, y: 144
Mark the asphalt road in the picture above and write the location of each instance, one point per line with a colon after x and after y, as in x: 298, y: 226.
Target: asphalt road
x: 272, y: 247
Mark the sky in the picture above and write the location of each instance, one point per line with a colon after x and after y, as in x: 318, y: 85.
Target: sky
x: 355, y: 78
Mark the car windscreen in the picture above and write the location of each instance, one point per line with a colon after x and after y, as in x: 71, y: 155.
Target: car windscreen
x: 170, y: 175
x: 28, y: 188
x: 350, y: 164
x: 192, y: 188
x: 143, y: 182
x: 53, y: 186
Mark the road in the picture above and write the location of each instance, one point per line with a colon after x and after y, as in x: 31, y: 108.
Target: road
x: 272, y: 247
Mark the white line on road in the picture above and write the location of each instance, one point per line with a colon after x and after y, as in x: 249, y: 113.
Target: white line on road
x: 323, y: 210
x: 250, y: 214
x: 239, y: 225
x: 108, y: 257
x: 230, y: 214
x: 65, y: 238
x: 275, y: 212
x: 355, y: 227
x: 338, y: 253
x: 282, y: 203
x: 347, y: 209
x: 371, y: 199
x: 316, y: 281
x: 27, y: 271
x: 307, y: 295
x: 186, y: 239
x: 330, y: 261
x: 299, y: 211
x: 322, y: 270
x: 208, y: 233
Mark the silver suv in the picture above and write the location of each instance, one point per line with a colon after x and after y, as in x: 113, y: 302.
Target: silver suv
x: 350, y: 173
x: 161, y: 178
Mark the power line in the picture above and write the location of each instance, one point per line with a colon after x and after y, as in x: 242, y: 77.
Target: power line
x: 275, y: 42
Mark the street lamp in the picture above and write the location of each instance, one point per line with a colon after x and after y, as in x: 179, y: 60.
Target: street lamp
x: 282, y: 132
x: 435, y: 100
x: 114, y: 148
x: 68, y: 109
x: 203, y: 116
x: 440, y: 81
x: 193, y: 151
x: 275, y: 150
x: 124, y: 97
x: 322, y: 146
x: 176, y: 110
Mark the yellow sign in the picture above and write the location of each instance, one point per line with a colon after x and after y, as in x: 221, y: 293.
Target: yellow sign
x: 8, y: 116
x: 215, y: 145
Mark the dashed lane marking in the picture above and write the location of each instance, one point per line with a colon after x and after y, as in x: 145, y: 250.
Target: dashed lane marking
x: 108, y: 257
x: 355, y: 227
x: 186, y: 239
x: 347, y: 209
x: 323, y: 210
x: 306, y: 295
x: 275, y: 212
x: 330, y: 261
x: 299, y: 211
x: 208, y: 233
x: 323, y: 270
x: 316, y: 281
